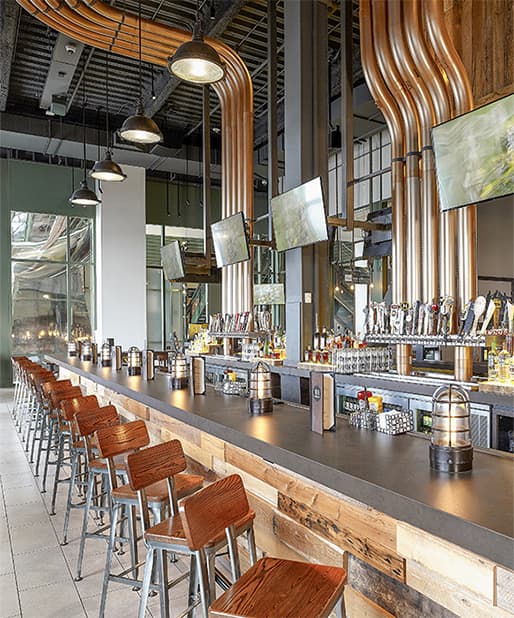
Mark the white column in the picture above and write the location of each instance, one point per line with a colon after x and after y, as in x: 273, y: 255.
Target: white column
x: 121, y: 261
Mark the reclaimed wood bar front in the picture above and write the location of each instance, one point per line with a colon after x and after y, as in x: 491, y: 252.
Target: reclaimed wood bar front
x: 414, y: 542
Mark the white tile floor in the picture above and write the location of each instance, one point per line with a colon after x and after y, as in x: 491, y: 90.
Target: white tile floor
x: 36, y: 572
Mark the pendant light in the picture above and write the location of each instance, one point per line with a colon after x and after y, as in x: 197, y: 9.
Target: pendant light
x: 83, y: 196
x: 139, y: 128
x: 196, y: 61
x: 107, y: 170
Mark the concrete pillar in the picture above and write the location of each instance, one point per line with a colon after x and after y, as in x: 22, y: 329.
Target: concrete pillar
x: 308, y: 300
x: 121, y: 261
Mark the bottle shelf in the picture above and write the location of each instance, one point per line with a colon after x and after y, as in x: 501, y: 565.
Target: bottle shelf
x: 430, y: 340
x: 241, y: 335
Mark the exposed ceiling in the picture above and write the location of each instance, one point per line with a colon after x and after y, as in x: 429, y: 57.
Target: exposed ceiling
x: 41, y: 65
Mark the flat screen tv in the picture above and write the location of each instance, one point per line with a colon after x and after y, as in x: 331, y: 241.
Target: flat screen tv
x: 230, y: 240
x: 299, y: 216
x: 172, y: 262
x: 474, y: 155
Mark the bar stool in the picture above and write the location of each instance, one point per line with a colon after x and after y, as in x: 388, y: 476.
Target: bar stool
x: 38, y: 380
x: 164, y: 462
x: 27, y: 400
x: 31, y: 416
x: 114, y: 441
x: 271, y: 587
x: 22, y: 366
x: 69, y: 408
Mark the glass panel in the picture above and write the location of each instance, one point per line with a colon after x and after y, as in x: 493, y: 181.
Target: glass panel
x: 80, y: 239
x: 80, y: 301
x: 38, y: 308
x: 38, y: 236
x: 153, y: 308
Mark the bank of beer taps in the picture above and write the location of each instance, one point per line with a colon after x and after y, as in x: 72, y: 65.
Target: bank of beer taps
x: 493, y: 314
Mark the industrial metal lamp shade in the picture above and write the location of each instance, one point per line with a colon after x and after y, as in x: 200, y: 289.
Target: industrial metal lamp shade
x: 450, y: 448
x: 86, y: 351
x: 178, y: 370
x: 83, y: 196
x: 140, y: 128
x: 260, y: 399
x: 134, y: 361
x: 105, y: 355
x: 196, y: 62
x: 107, y: 170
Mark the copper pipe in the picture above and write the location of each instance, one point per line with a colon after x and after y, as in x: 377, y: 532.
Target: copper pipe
x: 96, y: 23
x: 387, y: 104
x: 460, y: 87
x: 410, y: 122
x: 425, y: 112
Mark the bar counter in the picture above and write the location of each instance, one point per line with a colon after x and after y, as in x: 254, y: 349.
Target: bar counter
x: 382, y: 480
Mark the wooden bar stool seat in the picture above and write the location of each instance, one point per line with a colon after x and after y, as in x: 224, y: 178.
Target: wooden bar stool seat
x: 272, y: 587
x: 185, y: 485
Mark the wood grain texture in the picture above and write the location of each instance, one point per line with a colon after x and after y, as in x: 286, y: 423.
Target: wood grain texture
x: 89, y: 421
x: 255, y: 485
x: 155, y: 463
x: 69, y: 393
x: 504, y: 589
x: 344, y: 537
x: 120, y: 439
x: 359, y: 605
x: 70, y: 407
x: 274, y: 587
x: 207, y: 513
x: 176, y: 428
x: 457, y: 599
x: 392, y: 595
x: 54, y: 387
x: 451, y: 562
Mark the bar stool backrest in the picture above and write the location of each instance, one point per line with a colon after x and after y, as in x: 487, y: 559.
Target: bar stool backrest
x: 55, y: 386
x: 121, y: 439
x: 70, y: 407
x: 70, y: 393
x: 89, y: 421
x: 213, y: 509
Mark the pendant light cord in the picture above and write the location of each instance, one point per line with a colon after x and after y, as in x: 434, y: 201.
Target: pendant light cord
x: 108, y: 136
x: 140, y: 60
x: 84, y: 125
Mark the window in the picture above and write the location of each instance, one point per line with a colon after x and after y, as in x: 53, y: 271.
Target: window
x: 52, y: 281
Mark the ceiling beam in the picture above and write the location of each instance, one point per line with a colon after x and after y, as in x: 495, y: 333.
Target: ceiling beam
x: 226, y: 10
x: 9, y: 15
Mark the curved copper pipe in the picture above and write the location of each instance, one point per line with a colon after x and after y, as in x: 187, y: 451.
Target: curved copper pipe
x: 460, y: 87
x: 387, y: 104
x: 431, y: 77
x: 410, y: 121
x: 96, y: 23
x: 425, y: 111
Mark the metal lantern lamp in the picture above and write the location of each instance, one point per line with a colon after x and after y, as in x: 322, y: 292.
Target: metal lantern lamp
x: 134, y: 361
x: 105, y: 355
x: 450, y: 448
x: 260, y: 400
x: 178, y: 371
x: 72, y: 349
x: 86, y: 351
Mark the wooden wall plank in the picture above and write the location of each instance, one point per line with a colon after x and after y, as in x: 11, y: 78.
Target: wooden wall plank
x: 213, y: 445
x: 344, y: 537
x: 360, y: 606
x: 451, y: 562
x: 456, y: 598
x: 504, y: 589
x: 178, y: 429
x: 255, y: 485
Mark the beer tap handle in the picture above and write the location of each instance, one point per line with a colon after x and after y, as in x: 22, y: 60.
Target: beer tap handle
x: 488, y: 316
x: 478, y: 310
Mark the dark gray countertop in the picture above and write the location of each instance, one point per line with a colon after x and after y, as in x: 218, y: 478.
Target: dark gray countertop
x: 389, y: 473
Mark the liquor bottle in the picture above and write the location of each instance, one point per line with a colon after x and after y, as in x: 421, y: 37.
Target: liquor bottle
x: 308, y: 354
x: 503, y: 364
x: 492, y: 360
x: 511, y: 370
x: 323, y: 338
x: 316, y: 340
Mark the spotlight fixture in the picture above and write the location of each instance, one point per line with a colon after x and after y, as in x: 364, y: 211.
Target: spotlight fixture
x: 83, y: 196
x: 107, y: 169
x: 197, y: 62
x: 139, y: 128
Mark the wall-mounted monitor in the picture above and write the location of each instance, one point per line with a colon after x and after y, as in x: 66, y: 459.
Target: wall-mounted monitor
x: 299, y: 216
x: 268, y: 294
x: 474, y: 155
x: 172, y: 263
x: 230, y: 240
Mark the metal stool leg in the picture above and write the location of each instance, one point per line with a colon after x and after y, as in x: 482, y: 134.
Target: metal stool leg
x: 163, y: 577
x: 40, y: 445
x: 73, y: 477
x: 51, y: 428
x: 89, y: 497
x: 60, y: 457
x: 147, y: 577
x: 108, y: 559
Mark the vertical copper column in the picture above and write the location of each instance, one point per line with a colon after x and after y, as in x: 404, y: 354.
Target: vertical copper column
x: 460, y: 87
x: 410, y: 121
